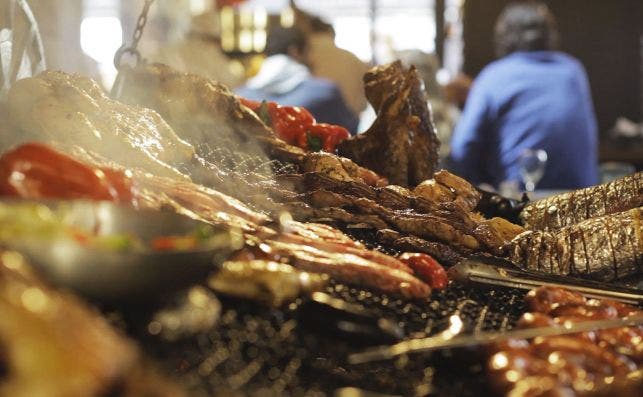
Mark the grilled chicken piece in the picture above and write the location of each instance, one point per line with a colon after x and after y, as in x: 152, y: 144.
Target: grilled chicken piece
x: 573, y: 207
x: 446, y: 187
x: 327, y: 164
x: 433, y: 191
x: 69, y: 109
x: 401, y: 145
x: 464, y: 191
x: 52, y: 344
x: 604, y: 248
x: 202, y: 111
x: 341, y: 169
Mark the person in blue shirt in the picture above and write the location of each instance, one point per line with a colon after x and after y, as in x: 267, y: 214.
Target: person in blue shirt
x: 284, y: 78
x: 533, y: 97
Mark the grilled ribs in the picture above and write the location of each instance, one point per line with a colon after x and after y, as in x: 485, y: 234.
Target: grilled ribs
x: 573, y: 207
x: 401, y: 145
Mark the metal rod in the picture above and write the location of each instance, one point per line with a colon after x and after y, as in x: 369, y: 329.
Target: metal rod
x: 478, y: 272
x: 425, y: 345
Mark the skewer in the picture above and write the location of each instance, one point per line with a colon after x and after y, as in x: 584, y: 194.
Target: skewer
x: 476, y: 271
x: 446, y: 340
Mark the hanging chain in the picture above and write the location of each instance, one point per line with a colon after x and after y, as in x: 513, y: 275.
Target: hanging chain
x: 138, y: 33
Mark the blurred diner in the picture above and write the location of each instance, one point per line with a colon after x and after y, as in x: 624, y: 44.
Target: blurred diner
x: 533, y: 98
x: 285, y: 78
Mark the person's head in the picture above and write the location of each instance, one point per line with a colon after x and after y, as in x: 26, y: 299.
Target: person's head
x: 286, y: 41
x: 525, y: 26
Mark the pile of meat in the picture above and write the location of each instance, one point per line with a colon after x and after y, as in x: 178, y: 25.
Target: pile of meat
x: 592, y: 363
x: 436, y: 217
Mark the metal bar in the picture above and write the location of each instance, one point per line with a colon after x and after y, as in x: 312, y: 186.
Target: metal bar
x: 447, y: 341
x: 478, y: 272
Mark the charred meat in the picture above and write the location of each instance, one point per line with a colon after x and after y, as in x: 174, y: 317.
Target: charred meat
x: 401, y: 145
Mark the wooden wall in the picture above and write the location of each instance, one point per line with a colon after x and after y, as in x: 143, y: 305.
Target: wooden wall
x: 606, y: 35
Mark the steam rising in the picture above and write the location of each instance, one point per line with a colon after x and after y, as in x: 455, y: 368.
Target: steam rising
x: 208, y: 136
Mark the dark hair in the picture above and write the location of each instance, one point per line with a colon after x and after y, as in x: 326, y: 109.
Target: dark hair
x: 525, y: 26
x: 282, y: 40
x: 318, y: 25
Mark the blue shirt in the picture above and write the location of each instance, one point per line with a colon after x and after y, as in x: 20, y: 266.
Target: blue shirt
x: 528, y: 100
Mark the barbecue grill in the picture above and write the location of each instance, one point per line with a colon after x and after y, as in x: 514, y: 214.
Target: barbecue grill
x: 257, y: 350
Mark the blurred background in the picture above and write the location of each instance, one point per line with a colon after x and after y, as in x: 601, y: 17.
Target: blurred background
x: 449, y: 40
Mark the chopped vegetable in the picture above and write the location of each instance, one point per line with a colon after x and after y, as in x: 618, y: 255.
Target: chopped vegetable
x: 35, y: 171
x: 297, y: 126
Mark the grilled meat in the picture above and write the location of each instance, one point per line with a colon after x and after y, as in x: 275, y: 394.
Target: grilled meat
x: 203, y: 111
x: 204, y: 201
x: 605, y: 248
x: 574, y: 207
x: 444, y: 253
x: 52, y: 344
x: 467, y: 195
x: 328, y: 246
x: 344, y: 267
x: 58, y: 107
x: 340, y: 168
x: 270, y: 282
x: 401, y: 145
x: 590, y: 362
x: 301, y: 210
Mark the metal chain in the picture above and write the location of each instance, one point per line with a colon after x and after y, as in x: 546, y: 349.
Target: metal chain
x: 136, y: 38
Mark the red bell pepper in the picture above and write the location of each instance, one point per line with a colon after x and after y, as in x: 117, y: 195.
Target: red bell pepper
x: 34, y: 170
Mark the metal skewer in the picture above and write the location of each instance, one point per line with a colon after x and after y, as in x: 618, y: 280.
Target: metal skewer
x: 446, y: 340
x: 476, y: 271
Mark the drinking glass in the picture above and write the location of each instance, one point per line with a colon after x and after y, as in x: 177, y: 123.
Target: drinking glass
x: 532, y: 167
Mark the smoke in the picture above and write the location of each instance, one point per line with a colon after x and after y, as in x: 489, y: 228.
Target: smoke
x: 204, y: 134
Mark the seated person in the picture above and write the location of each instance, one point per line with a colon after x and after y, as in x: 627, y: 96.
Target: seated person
x: 533, y: 97
x: 284, y: 78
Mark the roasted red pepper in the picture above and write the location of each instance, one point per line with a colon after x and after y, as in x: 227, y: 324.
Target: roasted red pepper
x: 297, y: 126
x: 426, y: 269
x: 34, y: 170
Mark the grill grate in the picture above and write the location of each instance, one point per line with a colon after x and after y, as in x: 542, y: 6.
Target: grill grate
x: 255, y: 350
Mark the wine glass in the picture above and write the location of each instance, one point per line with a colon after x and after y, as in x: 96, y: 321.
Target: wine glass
x: 532, y: 167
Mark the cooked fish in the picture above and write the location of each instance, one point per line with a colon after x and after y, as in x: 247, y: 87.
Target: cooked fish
x: 606, y: 248
x: 576, y: 206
